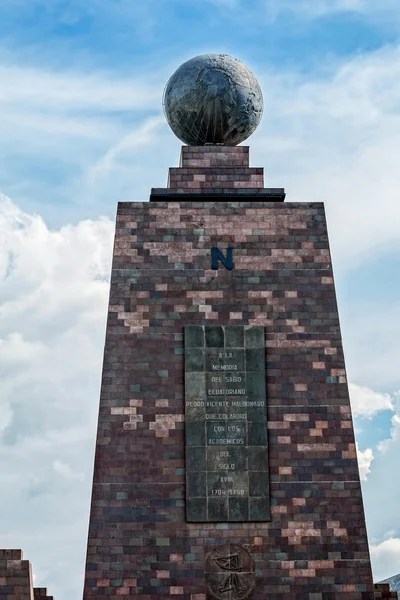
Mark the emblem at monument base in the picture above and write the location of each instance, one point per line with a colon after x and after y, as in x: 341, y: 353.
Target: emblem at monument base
x: 230, y: 574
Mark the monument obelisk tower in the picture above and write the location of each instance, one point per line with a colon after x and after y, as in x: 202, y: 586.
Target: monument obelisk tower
x: 225, y: 462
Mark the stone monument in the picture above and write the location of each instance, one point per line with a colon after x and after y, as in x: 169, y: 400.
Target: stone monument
x: 16, y: 578
x: 225, y: 462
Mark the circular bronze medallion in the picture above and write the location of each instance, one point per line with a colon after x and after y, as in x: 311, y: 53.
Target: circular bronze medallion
x: 229, y: 572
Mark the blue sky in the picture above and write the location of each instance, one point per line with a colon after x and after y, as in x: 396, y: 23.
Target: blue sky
x: 81, y: 127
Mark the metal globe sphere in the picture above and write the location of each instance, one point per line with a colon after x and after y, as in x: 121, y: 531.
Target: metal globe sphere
x: 213, y: 99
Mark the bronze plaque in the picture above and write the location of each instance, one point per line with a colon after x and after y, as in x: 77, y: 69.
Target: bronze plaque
x: 227, y: 477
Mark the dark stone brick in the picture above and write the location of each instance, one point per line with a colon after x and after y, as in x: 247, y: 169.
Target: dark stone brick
x: 234, y: 337
x: 194, y: 336
x: 215, y: 337
x: 194, y: 359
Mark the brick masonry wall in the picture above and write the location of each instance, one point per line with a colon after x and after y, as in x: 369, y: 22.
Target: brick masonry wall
x: 16, y: 581
x: 215, y: 167
x: 315, y: 546
x: 15, y: 576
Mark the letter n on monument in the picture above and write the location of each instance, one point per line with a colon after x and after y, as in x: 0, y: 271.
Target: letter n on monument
x: 217, y: 256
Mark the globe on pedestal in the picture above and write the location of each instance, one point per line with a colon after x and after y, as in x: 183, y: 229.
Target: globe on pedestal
x: 213, y: 99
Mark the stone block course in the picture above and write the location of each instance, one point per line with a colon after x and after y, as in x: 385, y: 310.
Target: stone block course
x: 16, y: 581
x: 215, y: 168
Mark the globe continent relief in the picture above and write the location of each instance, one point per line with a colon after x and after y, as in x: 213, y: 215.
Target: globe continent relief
x: 213, y: 99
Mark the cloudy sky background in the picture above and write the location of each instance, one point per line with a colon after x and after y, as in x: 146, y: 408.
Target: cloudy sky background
x: 81, y: 128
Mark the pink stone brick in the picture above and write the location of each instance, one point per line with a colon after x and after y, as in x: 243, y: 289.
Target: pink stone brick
x: 296, y: 417
x: 351, y: 452
x: 293, y: 525
x: 291, y: 322
x: 162, y: 403
x: 340, y: 532
x: 123, y: 591
x: 338, y: 372
x: 284, y: 439
x: 330, y: 351
x: 176, y: 557
x: 333, y: 524
x: 302, y: 573
x: 180, y: 308
x: 136, y: 402
x: 162, y: 433
x: 316, y: 432
x: 318, y: 365
x: 321, y: 564
x: 299, y: 329
x: 285, y: 471
x: 349, y: 587
x: 130, y: 582
x: 279, y: 510
x: 205, y: 294
x: 299, y: 501
x: 257, y: 541
x: 102, y: 582
x: 300, y: 387
x: 316, y: 447
x: 162, y: 574
x: 176, y: 590
x: 260, y: 294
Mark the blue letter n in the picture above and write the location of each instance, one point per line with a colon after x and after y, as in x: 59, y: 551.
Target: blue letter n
x: 227, y: 261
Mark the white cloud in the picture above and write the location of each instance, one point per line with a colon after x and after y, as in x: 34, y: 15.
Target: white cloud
x: 333, y: 138
x: 385, y: 558
x: 60, y: 123
x: 394, y: 439
x: 364, y: 457
x: 367, y: 403
x: 75, y: 91
x: 53, y: 303
x: 382, y: 489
